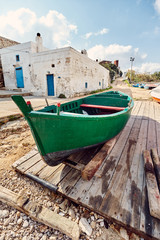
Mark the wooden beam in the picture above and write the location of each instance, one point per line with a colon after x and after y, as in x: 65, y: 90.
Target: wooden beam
x: 40, y: 213
x: 152, y: 187
x: 156, y: 163
x: 91, y: 168
x: 102, y: 107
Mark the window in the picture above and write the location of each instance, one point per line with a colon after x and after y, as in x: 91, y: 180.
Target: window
x: 17, y: 58
x: 53, y: 65
x: 86, y: 84
x: 99, y: 83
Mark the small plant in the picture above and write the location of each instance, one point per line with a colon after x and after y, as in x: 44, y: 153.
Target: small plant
x: 127, y: 82
x: 62, y: 95
x: 100, y: 90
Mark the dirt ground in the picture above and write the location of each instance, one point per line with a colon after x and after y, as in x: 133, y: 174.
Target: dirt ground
x: 15, y: 141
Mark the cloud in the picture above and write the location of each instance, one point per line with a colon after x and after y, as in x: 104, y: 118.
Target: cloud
x: 118, y: 52
x: 23, y: 24
x: 136, y: 50
x: 101, y: 32
x: 157, y: 6
x: 59, y: 27
x: 17, y: 22
x: 149, y: 67
x: 107, y: 52
x: 143, y: 56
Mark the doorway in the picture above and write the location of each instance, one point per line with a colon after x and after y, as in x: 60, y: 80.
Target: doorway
x: 50, y: 84
x: 19, y: 77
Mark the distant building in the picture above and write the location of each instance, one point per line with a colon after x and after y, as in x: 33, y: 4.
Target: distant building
x: 105, y: 61
x: 4, y: 42
x: 116, y: 62
x: 31, y: 67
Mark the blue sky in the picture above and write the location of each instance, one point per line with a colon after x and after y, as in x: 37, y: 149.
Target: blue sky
x: 107, y: 29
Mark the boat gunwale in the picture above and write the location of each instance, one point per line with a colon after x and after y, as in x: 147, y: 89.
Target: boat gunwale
x: 76, y: 115
x: 64, y: 114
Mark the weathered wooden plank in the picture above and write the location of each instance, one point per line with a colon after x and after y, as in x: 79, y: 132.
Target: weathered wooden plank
x: 59, y: 174
x: 40, y: 213
x: 146, y: 220
x: 91, y: 168
x: 32, y: 153
x: 67, y: 184
x: 146, y: 110
x: 97, y: 187
x: 35, y: 169
x: 112, y: 200
x: 156, y: 163
x: 75, y: 165
x: 149, y: 224
x: 29, y: 163
x: 130, y: 207
x: 152, y: 188
x: 137, y: 105
x: 157, y: 119
x: 152, y: 141
x: 47, y: 171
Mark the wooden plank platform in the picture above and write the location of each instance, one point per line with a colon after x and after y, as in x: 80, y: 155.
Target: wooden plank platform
x: 118, y: 190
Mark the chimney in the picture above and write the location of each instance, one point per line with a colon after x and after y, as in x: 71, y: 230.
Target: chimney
x: 116, y: 62
x: 39, y: 43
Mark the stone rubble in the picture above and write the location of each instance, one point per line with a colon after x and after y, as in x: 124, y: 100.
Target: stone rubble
x: 18, y: 226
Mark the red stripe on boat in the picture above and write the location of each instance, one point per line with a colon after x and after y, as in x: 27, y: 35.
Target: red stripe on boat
x: 102, y: 107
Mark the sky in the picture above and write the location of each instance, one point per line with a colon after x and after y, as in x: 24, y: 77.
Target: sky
x: 107, y: 29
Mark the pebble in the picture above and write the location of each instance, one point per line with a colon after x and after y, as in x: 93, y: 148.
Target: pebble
x: 19, y: 221
x: 6, y: 222
x: 61, y: 214
x: 56, y: 209
x: 102, y: 224
x: 71, y: 213
x: 93, y: 224
x: 124, y: 234
x: 2, y: 237
x: 84, y: 225
x: 25, y: 224
x: 92, y: 218
x: 44, y: 237
x: 64, y: 204
x: 4, y: 213
x: 24, y: 238
x: 53, y: 238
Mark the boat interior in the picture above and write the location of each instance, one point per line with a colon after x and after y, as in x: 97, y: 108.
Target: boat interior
x: 98, y: 104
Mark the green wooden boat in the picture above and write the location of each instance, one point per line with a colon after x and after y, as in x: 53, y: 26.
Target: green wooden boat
x: 64, y: 129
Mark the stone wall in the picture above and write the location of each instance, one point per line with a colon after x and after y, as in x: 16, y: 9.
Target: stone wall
x: 5, y: 42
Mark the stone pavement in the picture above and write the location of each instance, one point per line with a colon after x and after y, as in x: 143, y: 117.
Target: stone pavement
x: 8, y: 107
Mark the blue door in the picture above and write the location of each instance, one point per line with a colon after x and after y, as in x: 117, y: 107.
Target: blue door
x: 50, y: 84
x: 19, y: 77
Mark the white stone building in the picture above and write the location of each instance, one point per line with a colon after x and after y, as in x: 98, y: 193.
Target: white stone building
x: 33, y: 68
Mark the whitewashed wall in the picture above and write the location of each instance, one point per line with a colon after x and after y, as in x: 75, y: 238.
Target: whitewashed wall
x: 70, y: 68
x: 84, y: 70
x: 9, y: 64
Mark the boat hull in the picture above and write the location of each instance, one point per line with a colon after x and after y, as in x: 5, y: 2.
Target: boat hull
x: 58, y: 136
x: 156, y: 99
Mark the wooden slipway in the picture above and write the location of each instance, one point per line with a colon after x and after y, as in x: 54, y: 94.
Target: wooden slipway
x: 118, y: 190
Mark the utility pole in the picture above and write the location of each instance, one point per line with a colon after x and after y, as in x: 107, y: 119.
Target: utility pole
x: 131, y: 59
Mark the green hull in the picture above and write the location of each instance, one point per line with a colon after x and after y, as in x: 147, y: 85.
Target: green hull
x: 57, y: 136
